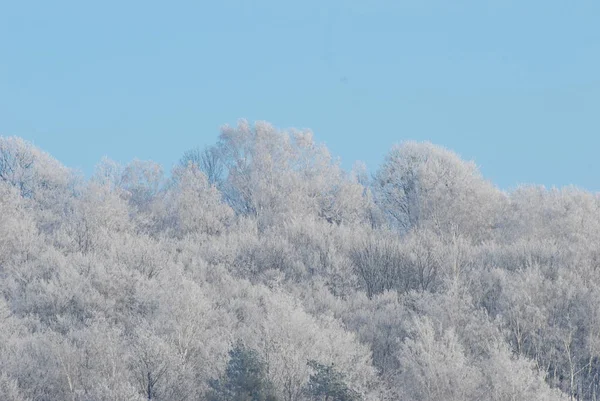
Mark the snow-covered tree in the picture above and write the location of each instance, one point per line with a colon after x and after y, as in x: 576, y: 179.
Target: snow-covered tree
x: 423, y: 185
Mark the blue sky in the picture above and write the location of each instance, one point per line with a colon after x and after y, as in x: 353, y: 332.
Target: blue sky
x: 513, y: 85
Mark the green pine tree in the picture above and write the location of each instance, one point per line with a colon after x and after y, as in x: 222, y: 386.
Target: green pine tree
x: 244, y: 378
x: 327, y: 384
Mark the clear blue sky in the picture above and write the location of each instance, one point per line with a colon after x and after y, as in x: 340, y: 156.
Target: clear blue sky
x: 513, y: 85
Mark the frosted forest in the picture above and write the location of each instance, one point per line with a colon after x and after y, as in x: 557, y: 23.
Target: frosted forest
x: 257, y: 269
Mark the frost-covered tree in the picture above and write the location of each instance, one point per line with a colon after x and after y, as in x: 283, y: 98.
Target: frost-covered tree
x: 193, y: 205
x: 47, y: 185
x: 17, y: 226
x: 208, y: 160
x: 423, y: 185
x: 33, y: 172
x: 274, y: 175
x: 435, y: 367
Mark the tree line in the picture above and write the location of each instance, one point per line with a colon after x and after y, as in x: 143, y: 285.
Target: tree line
x: 259, y: 269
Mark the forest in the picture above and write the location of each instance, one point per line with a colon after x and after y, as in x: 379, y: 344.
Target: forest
x: 258, y: 269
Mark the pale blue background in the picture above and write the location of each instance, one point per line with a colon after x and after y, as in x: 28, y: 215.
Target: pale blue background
x: 514, y: 85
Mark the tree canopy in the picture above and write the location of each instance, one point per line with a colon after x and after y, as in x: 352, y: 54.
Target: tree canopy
x: 258, y: 269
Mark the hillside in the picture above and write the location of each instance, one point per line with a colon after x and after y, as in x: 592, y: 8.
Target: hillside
x: 258, y: 269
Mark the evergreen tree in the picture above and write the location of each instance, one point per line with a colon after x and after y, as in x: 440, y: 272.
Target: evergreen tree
x: 244, y: 378
x: 328, y: 384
